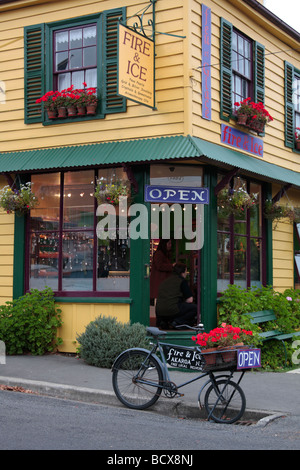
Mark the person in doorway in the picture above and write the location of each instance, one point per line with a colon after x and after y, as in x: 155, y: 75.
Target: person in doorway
x: 174, y: 304
x: 161, y: 267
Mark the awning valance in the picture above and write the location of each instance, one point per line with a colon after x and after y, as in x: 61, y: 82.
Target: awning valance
x: 139, y: 151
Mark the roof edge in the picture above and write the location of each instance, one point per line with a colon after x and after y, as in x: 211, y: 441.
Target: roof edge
x: 268, y: 14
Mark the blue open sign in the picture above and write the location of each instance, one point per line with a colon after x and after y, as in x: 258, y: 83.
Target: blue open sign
x: 248, y: 358
x: 176, y: 194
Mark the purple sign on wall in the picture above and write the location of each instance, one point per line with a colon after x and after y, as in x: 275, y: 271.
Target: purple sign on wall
x: 206, y: 62
x: 241, y: 140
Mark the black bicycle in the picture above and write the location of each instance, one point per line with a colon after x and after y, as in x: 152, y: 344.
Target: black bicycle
x: 139, y: 376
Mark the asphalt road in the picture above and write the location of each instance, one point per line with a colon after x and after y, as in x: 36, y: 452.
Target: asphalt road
x: 33, y: 422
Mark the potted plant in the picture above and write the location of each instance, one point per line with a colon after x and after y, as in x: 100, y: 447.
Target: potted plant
x: 221, y: 338
x: 297, y: 138
x: 260, y: 117
x: 235, y: 201
x: 91, y: 100
x: 72, y: 97
x: 18, y: 200
x: 61, y: 101
x: 110, y: 193
x: 244, y: 111
x: 49, y: 102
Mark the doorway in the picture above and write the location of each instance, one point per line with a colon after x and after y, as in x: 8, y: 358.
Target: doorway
x: 192, y: 259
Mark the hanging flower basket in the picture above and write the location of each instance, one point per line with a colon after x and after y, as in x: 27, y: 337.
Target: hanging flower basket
x: 296, y: 215
x: 275, y: 212
x: 112, y: 192
x: 20, y: 200
x: 235, y: 202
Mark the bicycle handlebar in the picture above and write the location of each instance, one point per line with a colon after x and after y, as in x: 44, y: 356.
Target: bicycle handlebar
x: 199, y: 327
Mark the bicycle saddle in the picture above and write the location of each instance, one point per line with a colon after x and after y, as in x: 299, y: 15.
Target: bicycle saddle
x: 154, y: 331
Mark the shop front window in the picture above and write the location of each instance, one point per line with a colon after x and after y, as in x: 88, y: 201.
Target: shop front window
x: 64, y: 250
x: 240, y: 243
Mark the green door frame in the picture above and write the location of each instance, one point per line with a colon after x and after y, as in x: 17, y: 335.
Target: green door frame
x: 140, y: 258
x: 208, y: 296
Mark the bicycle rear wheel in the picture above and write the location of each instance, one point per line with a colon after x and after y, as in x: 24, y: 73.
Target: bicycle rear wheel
x: 225, y: 403
x: 136, y: 378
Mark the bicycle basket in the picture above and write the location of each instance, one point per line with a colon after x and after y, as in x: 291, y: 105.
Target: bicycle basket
x: 222, y: 359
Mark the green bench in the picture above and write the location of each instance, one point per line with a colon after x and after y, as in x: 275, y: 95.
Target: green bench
x: 264, y: 316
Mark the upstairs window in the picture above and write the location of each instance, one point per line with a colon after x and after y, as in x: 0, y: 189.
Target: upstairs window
x: 75, y: 57
x: 73, y: 52
x: 292, y: 103
x: 242, y: 69
x: 297, y: 101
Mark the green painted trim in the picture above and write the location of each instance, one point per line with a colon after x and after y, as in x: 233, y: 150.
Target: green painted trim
x: 94, y: 300
x: 208, y: 294
x: 19, y: 257
x: 139, y: 259
x: 269, y: 241
x: 34, y: 83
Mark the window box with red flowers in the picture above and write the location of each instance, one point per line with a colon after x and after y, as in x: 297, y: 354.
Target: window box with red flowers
x: 252, y: 115
x: 71, y: 102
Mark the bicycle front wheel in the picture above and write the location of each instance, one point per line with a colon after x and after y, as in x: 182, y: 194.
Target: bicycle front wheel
x: 225, y: 401
x: 136, y: 379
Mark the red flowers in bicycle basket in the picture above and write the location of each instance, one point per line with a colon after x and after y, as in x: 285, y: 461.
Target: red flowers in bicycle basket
x: 226, y: 335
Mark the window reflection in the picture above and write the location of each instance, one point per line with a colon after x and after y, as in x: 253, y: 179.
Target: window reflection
x: 240, y: 243
x: 64, y: 252
x: 77, y: 254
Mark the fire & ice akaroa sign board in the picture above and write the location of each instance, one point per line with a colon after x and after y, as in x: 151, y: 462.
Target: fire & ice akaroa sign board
x: 135, y: 66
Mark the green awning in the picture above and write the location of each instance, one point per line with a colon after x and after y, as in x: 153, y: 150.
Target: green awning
x: 139, y: 151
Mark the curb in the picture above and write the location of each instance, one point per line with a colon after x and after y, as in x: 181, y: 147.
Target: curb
x: 173, y: 408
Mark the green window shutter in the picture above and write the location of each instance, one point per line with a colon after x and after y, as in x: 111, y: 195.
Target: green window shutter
x: 33, y: 72
x: 259, y: 73
x: 226, y: 70
x: 289, y: 106
x: 113, y: 103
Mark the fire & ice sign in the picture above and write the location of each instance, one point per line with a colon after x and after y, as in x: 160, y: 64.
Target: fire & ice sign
x: 135, y: 67
x: 241, y: 140
x: 248, y: 358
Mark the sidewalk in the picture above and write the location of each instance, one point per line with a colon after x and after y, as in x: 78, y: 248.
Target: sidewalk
x: 268, y: 394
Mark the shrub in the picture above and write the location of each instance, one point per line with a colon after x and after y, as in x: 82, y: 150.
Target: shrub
x: 236, y: 301
x: 105, y: 338
x: 29, y: 323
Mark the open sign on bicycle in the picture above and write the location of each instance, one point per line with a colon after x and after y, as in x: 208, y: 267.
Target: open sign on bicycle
x: 248, y: 358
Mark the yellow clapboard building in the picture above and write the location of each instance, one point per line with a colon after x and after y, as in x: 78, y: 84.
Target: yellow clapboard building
x: 169, y: 80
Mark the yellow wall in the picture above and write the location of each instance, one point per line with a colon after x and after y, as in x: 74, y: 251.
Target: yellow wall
x: 76, y: 317
x: 6, y: 252
x: 278, y: 48
x: 138, y: 122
